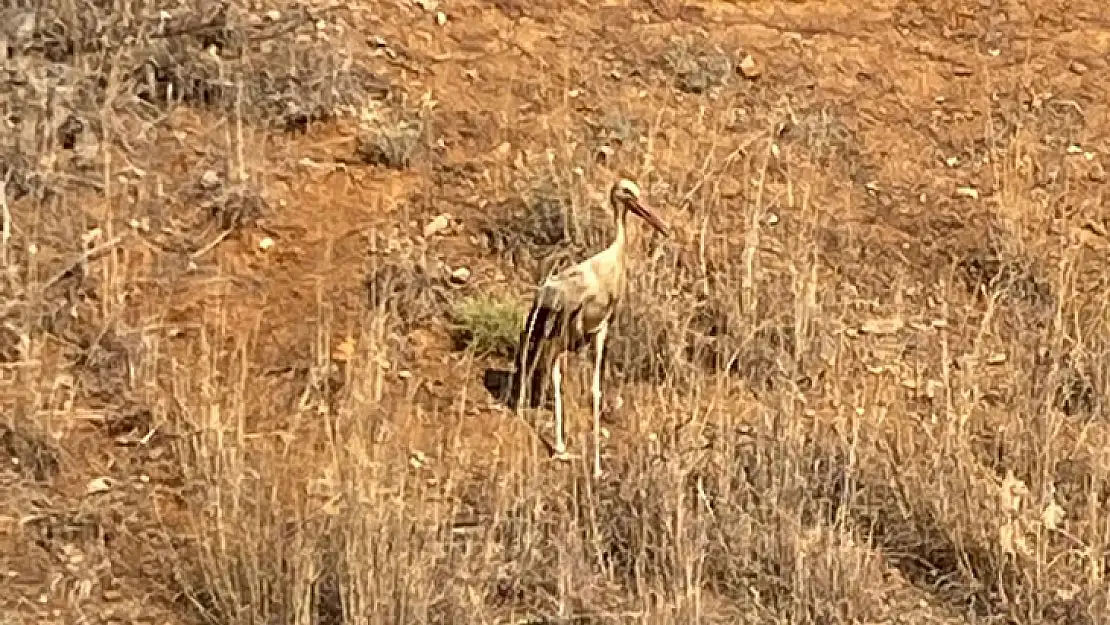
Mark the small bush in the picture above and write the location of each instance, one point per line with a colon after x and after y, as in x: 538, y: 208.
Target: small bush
x: 407, y: 289
x: 696, y: 70
x: 488, y: 326
x: 390, y: 138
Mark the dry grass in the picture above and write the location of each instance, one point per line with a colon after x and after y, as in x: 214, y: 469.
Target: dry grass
x: 851, y: 391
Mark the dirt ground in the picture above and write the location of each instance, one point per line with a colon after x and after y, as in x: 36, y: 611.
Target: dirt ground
x: 863, y: 382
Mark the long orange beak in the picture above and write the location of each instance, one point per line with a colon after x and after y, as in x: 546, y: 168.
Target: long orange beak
x: 646, y: 213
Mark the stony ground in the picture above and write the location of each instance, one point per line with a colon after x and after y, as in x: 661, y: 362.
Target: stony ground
x: 864, y: 381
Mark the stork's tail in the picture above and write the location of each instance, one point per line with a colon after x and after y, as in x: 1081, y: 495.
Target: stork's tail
x: 531, y: 363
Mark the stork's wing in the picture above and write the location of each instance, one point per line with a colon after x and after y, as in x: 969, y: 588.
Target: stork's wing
x: 565, y: 290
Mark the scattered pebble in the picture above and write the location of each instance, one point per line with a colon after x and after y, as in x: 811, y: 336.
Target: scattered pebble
x: 441, y: 18
x: 437, y: 225
x: 460, y: 276
x: 210, y: 180
x: 749, y: 68
x: 969, y: 192
x: 265, y: 244
x: 996, y: 358
x: 772, y: 219
x: 98, y: 485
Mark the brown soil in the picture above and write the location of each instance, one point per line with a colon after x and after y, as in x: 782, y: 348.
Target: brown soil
x: 893, y: 220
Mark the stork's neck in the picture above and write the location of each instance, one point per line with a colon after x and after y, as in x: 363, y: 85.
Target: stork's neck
x: 622, y: 234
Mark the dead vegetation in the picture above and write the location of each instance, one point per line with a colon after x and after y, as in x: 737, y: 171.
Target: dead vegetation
x: 863, y: 383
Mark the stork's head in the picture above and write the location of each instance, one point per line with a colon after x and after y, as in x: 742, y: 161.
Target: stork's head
x: 625, y: 196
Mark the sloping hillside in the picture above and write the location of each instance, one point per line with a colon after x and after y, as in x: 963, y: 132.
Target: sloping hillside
x: 261, y: 262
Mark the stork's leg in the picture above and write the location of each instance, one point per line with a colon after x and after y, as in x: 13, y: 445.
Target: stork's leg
x: 599, y: 347
x: 557, y: 382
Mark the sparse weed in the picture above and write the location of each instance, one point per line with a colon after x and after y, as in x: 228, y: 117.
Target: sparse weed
x: 391, y: 137
x: 488, y: 326
x: 695, y: 68
x: 860, y: 383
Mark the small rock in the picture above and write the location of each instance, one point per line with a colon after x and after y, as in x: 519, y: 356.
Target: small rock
x: 460, y: 275
x: 441, y: 18
x: 112, y: 595
x: 996, y: 358
x: 969, y: 192
x: 772, y: 219
x: 749, y: 68
x: 1077, y: 68
x: 962, y: 71
x: 265, y: 244
x: 99, y: 485
x: 210, y: 180
x: 437, y: 225
x: 273, y: 15
x: 428, y: 5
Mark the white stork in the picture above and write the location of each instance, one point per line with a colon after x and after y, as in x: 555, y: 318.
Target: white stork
x: 572, y: 307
